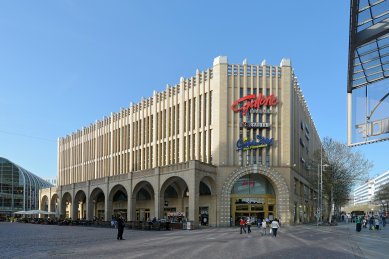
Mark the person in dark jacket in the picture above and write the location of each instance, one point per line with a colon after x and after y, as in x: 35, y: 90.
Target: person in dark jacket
x: 120, y: 224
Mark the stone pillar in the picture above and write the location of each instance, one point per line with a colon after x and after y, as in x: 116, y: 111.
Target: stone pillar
x: 73, y: 209
x: 131, y: 213
x: 193, y: 187
x: 158, y: 200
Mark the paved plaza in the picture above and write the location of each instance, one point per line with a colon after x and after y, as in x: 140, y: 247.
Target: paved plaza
x: 19, y: 240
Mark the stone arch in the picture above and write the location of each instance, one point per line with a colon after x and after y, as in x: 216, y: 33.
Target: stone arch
x: 96, y: 204
x: 179, y: 202
x: 207, y: 201
x: 177, y: 182
x: 54, y: 203
x: 143, y: 185
x: 210, y: 183
x: 66, y: 205
x: 117, y: 201
x: 278, y: 182
x: 143, y: 201
x: 79, y: 205
x: 44, y: 204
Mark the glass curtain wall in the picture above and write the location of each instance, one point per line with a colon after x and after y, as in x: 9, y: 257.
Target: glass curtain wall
x: 19, y: 188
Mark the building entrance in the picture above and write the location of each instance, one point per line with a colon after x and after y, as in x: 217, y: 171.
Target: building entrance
x: 259, y: 207
x: 252, y: 196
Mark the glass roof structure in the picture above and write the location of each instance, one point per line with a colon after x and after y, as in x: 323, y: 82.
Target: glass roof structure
x: 19, y: 188
x: 369, y: 43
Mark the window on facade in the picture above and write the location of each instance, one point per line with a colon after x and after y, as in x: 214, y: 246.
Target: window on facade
x: 200, y: 148
x: 184, y: 151
x: 295, y: 186
x: 189, y: 114
x: 185, y: 117
x: 210, y: 108
x: 152, y: 128
x: 204, y: 189
x: 210, y: 147
x: 178, y: 119
x: 200, y: 111
x: 267, y: 157
x: 193, y: 146
x: 194, y: 114
x: 163, y: 124
x: 151, y: 156
x: 252, y: 184
x: 170, y: 125
x: 205, y: 109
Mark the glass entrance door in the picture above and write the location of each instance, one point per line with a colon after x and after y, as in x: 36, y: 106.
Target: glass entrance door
x: 255, y: 207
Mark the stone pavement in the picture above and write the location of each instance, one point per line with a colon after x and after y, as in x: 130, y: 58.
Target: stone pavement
x: 19, y: 240
x: 370, y: 243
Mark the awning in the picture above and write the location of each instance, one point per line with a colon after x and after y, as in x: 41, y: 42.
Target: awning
x: 34, y: 212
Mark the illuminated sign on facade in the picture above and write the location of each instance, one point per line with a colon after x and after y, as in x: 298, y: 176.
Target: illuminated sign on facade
x: 254, y: 104
x: 259, y: 142
x: 255, y: 125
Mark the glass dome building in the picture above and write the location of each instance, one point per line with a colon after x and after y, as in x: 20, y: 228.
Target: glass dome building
x: 19, y: 188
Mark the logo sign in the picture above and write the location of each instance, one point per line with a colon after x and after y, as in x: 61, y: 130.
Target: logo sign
x: 255, y: 125
x: 254, y: 104
x: 374, y: 128
x: 259, y: 142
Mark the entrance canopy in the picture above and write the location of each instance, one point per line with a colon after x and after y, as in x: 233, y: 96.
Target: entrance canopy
x: 34, y: 212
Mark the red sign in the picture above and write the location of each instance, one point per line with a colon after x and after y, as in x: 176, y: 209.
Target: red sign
x: 253, y: 102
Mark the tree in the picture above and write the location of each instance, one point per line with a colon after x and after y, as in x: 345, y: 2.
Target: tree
x: 345, y: 168
x: 382, y: 196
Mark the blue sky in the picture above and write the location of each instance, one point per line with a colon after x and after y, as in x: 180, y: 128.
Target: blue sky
x: 66, y: 64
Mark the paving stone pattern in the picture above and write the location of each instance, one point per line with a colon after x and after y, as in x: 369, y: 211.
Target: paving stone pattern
x: 19, y: 240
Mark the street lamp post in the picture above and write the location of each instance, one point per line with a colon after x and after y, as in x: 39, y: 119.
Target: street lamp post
x: 318, y: 212
x: 320, y: 187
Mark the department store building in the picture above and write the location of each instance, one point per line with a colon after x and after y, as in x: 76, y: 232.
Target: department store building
x: 232, y: 141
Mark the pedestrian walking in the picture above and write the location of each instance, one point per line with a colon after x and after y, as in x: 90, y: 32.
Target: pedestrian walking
x: 242, y: 224
x: 275, y: 226
x: 364, y: 223
x: 248, y: 223
x: 264, y: 225
x: 358, y: 224
x: 259, y: 223
x: 120, y: 224
x: 371, y: 223
x: 377, y: 223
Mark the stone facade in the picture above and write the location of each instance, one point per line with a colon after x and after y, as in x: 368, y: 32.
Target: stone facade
x: 181, y: 151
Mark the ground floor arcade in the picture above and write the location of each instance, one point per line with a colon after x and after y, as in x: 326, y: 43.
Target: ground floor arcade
x: 192, y: 191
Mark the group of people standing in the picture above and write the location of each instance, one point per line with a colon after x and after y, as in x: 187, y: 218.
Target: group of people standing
x: 372, y: 222
x: 263, y: 225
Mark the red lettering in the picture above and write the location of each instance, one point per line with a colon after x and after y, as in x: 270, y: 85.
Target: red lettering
x: 248, y: 102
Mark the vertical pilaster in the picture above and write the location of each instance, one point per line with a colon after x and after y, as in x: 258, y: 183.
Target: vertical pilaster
x: 220, y: 106
x: 154, y: 111
x: 194, y: 194
x: 182, y: 121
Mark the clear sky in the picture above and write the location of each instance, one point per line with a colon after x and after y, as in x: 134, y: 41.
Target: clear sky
x: 65, y: 64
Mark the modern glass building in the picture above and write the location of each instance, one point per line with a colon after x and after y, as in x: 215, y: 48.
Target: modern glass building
x: 19, y: 188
